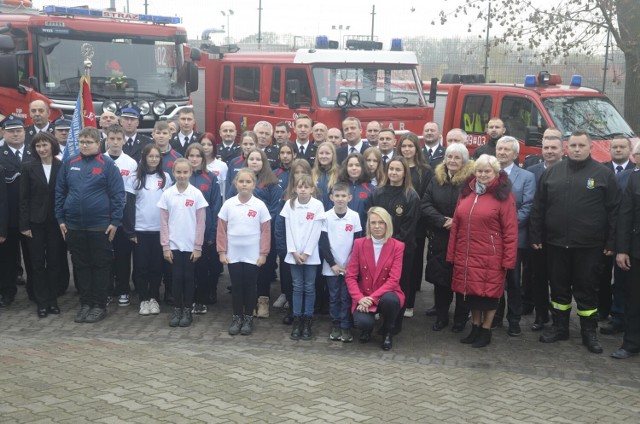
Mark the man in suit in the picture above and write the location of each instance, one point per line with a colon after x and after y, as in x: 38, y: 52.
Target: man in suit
x: 305, y: 149
x: 620, y: 150
x: 282, y: 132
x: 523, y: 187
x: 372, y: 131
x: 107, y: 119
x: 386, y: 139
x: 352, y: 130
x: 319, y: 132
x: 228, y: 148
x: 186, y: 121
x: 12, y: 155
x: 134, y: 142
x: 39, y: 112
x: 539, y: 291
x: 433, y: 150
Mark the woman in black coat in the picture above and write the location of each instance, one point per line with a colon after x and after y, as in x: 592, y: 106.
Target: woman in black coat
x: 438, y: 204
x: 38, y: 222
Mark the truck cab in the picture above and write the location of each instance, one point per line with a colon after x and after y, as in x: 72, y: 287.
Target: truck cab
x: 465, y: 101
x: 329, y: 85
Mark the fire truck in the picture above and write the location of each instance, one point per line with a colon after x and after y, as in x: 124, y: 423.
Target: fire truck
x: 528, y: 109
x: 136, y: 59
x: 324, y: 83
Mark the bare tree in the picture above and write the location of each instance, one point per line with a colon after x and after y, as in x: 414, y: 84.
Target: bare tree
x: 567, y: 25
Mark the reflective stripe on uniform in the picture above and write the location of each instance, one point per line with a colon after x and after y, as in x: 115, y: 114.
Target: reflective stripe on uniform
x: 560, y: 306
x: 587, y: 313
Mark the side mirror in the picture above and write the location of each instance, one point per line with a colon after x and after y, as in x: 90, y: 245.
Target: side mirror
x: 9, y: 74
x: 192, y: 77
x: 533, y: 137
x: 293, y: 88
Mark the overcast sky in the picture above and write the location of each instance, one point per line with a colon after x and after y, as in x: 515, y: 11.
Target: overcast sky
x: 394, y: 18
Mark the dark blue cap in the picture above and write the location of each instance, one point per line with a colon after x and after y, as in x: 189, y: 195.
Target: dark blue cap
x: 130, y: 112
x: 62, y: 124
x: 12, y: 122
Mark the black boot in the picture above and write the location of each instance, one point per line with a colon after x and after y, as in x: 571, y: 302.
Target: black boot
x: 288, y: 318
x: 365, y: 336
x: 247, y: 325
x: 296, y: 330
x: 306, y: 328
x: 387, y: 342
x: 176, y: 317
x: 483, y: 339
x: 560, y: 328
x: 473, y: 335
x: 588, y: 329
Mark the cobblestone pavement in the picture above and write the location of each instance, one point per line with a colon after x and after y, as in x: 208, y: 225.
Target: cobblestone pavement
x: 136, y: 369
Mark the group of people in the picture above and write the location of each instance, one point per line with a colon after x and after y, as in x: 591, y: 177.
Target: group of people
x: 343, y: 219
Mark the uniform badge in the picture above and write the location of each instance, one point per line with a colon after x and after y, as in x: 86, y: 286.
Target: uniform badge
x: 399, y: 210
x: 591, y: 184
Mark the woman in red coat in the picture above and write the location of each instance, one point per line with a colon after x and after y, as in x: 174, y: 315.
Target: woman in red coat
x: 373, y: 277
x: 483, y: 244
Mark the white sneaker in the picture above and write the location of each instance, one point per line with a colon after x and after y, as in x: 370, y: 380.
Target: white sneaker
x: 408, y: 313
x: 123, y: 300
x: 280, y: 301
x: 144, y: 307
x: 154, y: 307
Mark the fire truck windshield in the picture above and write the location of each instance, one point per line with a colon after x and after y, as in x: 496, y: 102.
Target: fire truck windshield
x: 379, y: 85
x: 596, y: 115
x: 121, y: 68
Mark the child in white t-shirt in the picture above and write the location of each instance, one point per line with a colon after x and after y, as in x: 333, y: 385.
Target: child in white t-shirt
x: 182, y: 222
x: 243, y: 220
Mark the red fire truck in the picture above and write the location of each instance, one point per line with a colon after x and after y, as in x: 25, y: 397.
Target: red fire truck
x: 465, y: 101
x: 326, y: 84
x: 137, y: 59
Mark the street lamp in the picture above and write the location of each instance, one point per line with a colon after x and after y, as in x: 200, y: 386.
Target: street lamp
x: 228, y: 15
x: 340, y: 28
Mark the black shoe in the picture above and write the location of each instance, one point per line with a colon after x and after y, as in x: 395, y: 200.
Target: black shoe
x: 296, y: 330
x: 176, y: 317
x: 247, y: 325
x: 43, y: 312
x: 514, y: 329
x: 54, y: 309
x: 236, y: 325
x: 590, y: 340
x: 187, y: 318
x: 81, y: 315
x: 473, y: 335
x: 439, y: 325
x: 623, y: 353
x: 458, y: 327
x: 611, y: 327
x: 96, y: 314
x: 387, y: 343
x: 497, y: 322
x: 539, y: 323
x: 431, y: 312
x: 287, y: 319
x: 306, y: 328
x: 554, y: 334
x: 365, y: 336
x: 483, y: 339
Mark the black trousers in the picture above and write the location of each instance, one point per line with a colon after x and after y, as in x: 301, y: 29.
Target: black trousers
x: 92, y: 256
x: 631, y: 339
x: 415, y: 278
x: 575, y: 271
x: 443, y: 297
x: 286, y: 282
x: 405, y: 285
x: 388, y: 308
x: 148, y: 260
x: 206, y: 275
x: 605, y: 293
x: 184, y: 283
x: 44, y: 247
x: 244, y: 279
x: 268, y: 269
x: 121, y: 268
x: 9, y: 254
x: 539, y: 282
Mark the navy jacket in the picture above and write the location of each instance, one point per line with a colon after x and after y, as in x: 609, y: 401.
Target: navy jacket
x: 207, y: 183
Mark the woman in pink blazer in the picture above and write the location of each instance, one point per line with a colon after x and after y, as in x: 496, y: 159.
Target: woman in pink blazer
x: 373, y: 277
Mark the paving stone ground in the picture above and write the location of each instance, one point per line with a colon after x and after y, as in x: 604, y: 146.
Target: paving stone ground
x: 133, y: 369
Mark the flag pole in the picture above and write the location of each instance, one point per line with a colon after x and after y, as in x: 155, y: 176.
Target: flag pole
x: 87, y: 51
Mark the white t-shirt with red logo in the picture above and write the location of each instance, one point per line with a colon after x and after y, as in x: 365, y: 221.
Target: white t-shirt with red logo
x: 127, y: 166
x: 219, y: 169
x: 147, y: 197
x: 182, y: 209
x: 340, y: 232
x: 243, y: 228
x: 303, y: 224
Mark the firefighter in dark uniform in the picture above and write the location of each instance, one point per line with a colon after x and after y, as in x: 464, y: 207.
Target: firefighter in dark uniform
x: 134, y: 142
x: 264, y: 131
x: 228, y: 149
x: 574, y: 216
x: 186, y: 136
x: 39, y: 112
x: 12, y: 155
x: 305, y: 149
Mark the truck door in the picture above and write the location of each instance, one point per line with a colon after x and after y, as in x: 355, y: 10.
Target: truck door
x: 476, y: 111
x: 523, y: 120
x: 240, y: 96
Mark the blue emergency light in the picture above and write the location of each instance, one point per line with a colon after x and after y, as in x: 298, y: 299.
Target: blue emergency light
x: 530, y: 81
x: 396, y: 44
x: 322, y: 42
x: 576, y: 81
x: 97, y: 13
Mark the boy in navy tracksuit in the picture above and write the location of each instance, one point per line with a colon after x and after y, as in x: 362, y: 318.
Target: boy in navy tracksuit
x: 90, y: 201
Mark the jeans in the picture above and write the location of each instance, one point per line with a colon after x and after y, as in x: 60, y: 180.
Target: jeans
x: 304, y: 286
x: 339, y: 301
